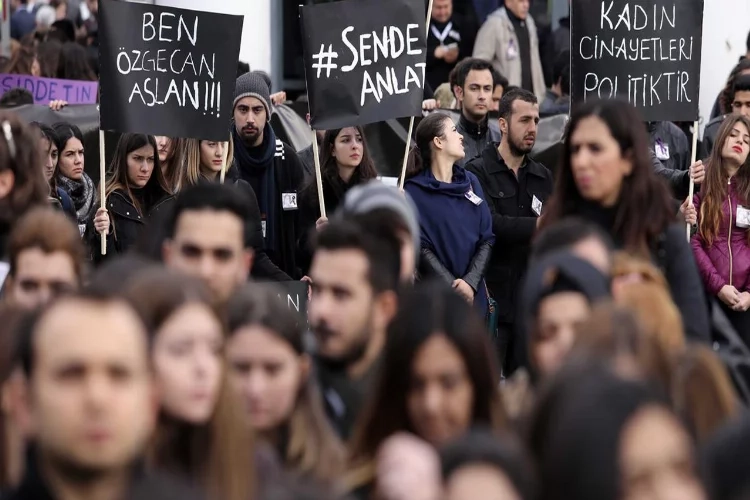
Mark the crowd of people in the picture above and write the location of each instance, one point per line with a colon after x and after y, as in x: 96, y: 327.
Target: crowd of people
x: 499, y: 328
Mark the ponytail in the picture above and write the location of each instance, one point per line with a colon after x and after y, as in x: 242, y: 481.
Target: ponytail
x: 414, y: 163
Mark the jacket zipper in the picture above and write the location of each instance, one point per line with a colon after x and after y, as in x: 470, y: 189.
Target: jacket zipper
x: 729, y: 241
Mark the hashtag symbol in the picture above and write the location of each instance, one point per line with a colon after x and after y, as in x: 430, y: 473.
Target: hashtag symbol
x: 329, y: 55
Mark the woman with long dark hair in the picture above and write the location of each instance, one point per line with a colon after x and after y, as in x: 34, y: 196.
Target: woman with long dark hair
x: 605, y: 176
x: 200, y: 435
x: 271, y: 371
x: 454, y: 219
x: 135, y: 192
x: 596, y: 437
x: 438, y: 379
x: 49, y: 155
x: 71, y: 176
x: 345, y: 162
x: 722, y: 243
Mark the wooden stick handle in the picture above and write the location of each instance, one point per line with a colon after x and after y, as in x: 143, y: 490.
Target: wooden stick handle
x: 318, y: 176
x: 692, y: 160
x: 102, y: 186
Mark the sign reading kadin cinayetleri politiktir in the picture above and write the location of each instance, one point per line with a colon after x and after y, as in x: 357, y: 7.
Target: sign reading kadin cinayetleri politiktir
x: 645, y: 51
x: 167, y: 71
x: 364, y: 61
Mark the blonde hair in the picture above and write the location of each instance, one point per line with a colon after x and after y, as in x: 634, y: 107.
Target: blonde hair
x: 190, y: 171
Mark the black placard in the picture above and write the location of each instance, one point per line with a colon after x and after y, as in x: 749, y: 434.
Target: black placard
x: 167, y: 71
x: 645, y: 51
x: 295, y: 296
x: 364, y: 61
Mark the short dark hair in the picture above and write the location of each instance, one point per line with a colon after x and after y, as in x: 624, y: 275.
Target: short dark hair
x: 216, y: 197
x: 498, y: 79
x: 16, y: 97
x: 511, y: 96
x: 482, y: 447
x: 566, y: 233
x: 472, y: 64
x: 29, y: 325
x: 741, y: 84
x: 383, y: 251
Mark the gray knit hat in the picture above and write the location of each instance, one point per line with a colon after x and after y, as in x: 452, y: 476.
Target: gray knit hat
x: 376, y: 195
x: 253, y: 84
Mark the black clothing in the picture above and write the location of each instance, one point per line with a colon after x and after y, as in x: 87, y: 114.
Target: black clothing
x: 144, y: 486
x: 476, y: 137
x: 524, y: 50
x: 307, y: 159
x: 438, y: 70
x: 710, y: 134
x: 288, y: 176
x: 343, y: 397
x: 677, y: 180
x: 673, y: 255
x: 126, y: 222
x: 670, y: 144
x: 510, y: 200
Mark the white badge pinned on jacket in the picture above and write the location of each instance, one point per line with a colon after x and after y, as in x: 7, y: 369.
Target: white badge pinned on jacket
x: 536, y: 206
x: 512, y: 50
x: 662, y: 151
x: 743, y: 217
x: 476, y: 200
x: 263, y: 227
x: 289, y: 201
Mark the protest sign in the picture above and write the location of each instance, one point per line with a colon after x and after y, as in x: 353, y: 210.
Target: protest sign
x: 295, y: 296
x: 167, y: 71
x: 45, y: 90
x: 364, y: 61
x: 645, y: 51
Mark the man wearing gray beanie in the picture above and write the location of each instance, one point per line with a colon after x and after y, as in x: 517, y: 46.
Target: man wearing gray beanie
x: 379, y: 207
x: 270, y: 166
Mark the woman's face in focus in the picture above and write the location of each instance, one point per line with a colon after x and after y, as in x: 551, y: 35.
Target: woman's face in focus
x: 48, y: 152
x: 597, y: 163
x: 71, y: 159
x: 737, y: 145
x: 348, y: 148
x: 140, y: 166
x: 212, y: 156
x: 188, y: 361
x: 453, y: 141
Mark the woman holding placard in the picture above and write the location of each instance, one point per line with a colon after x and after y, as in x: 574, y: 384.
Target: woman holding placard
x: 135, y: 192
x: 454, y: 219
x: 722, y: 243
x: 345, y: 162
x: 606, y: 177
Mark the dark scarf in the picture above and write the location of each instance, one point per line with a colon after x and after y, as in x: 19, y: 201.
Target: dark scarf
x: 260, y: 161
x: 82, y: 193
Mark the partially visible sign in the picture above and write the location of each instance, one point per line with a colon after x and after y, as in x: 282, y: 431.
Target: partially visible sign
x: 167, y: 71
x: 365, y: 61
x: 295, y: 296
x: 45, y: 90
x: 647, y: 52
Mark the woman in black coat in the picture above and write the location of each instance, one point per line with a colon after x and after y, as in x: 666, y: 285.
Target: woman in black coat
x: 605, y: 176
x: 135, y: 192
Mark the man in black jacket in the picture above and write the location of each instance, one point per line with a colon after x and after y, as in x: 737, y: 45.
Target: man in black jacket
x: 516, y: 188
x: 271, y: 167
x: 473, y: 89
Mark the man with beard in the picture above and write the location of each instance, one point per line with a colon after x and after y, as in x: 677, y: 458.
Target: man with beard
x: 516, y: 188
x: 271, y: 167
x: 355, y: 277
x: 473, y: 87
x: 90, y: 403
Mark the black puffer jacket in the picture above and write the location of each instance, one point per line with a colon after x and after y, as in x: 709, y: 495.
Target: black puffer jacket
x: 477, y: 137
x: 126, y: 223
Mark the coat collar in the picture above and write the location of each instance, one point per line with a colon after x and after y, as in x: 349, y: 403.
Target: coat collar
x: 494, y: 163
